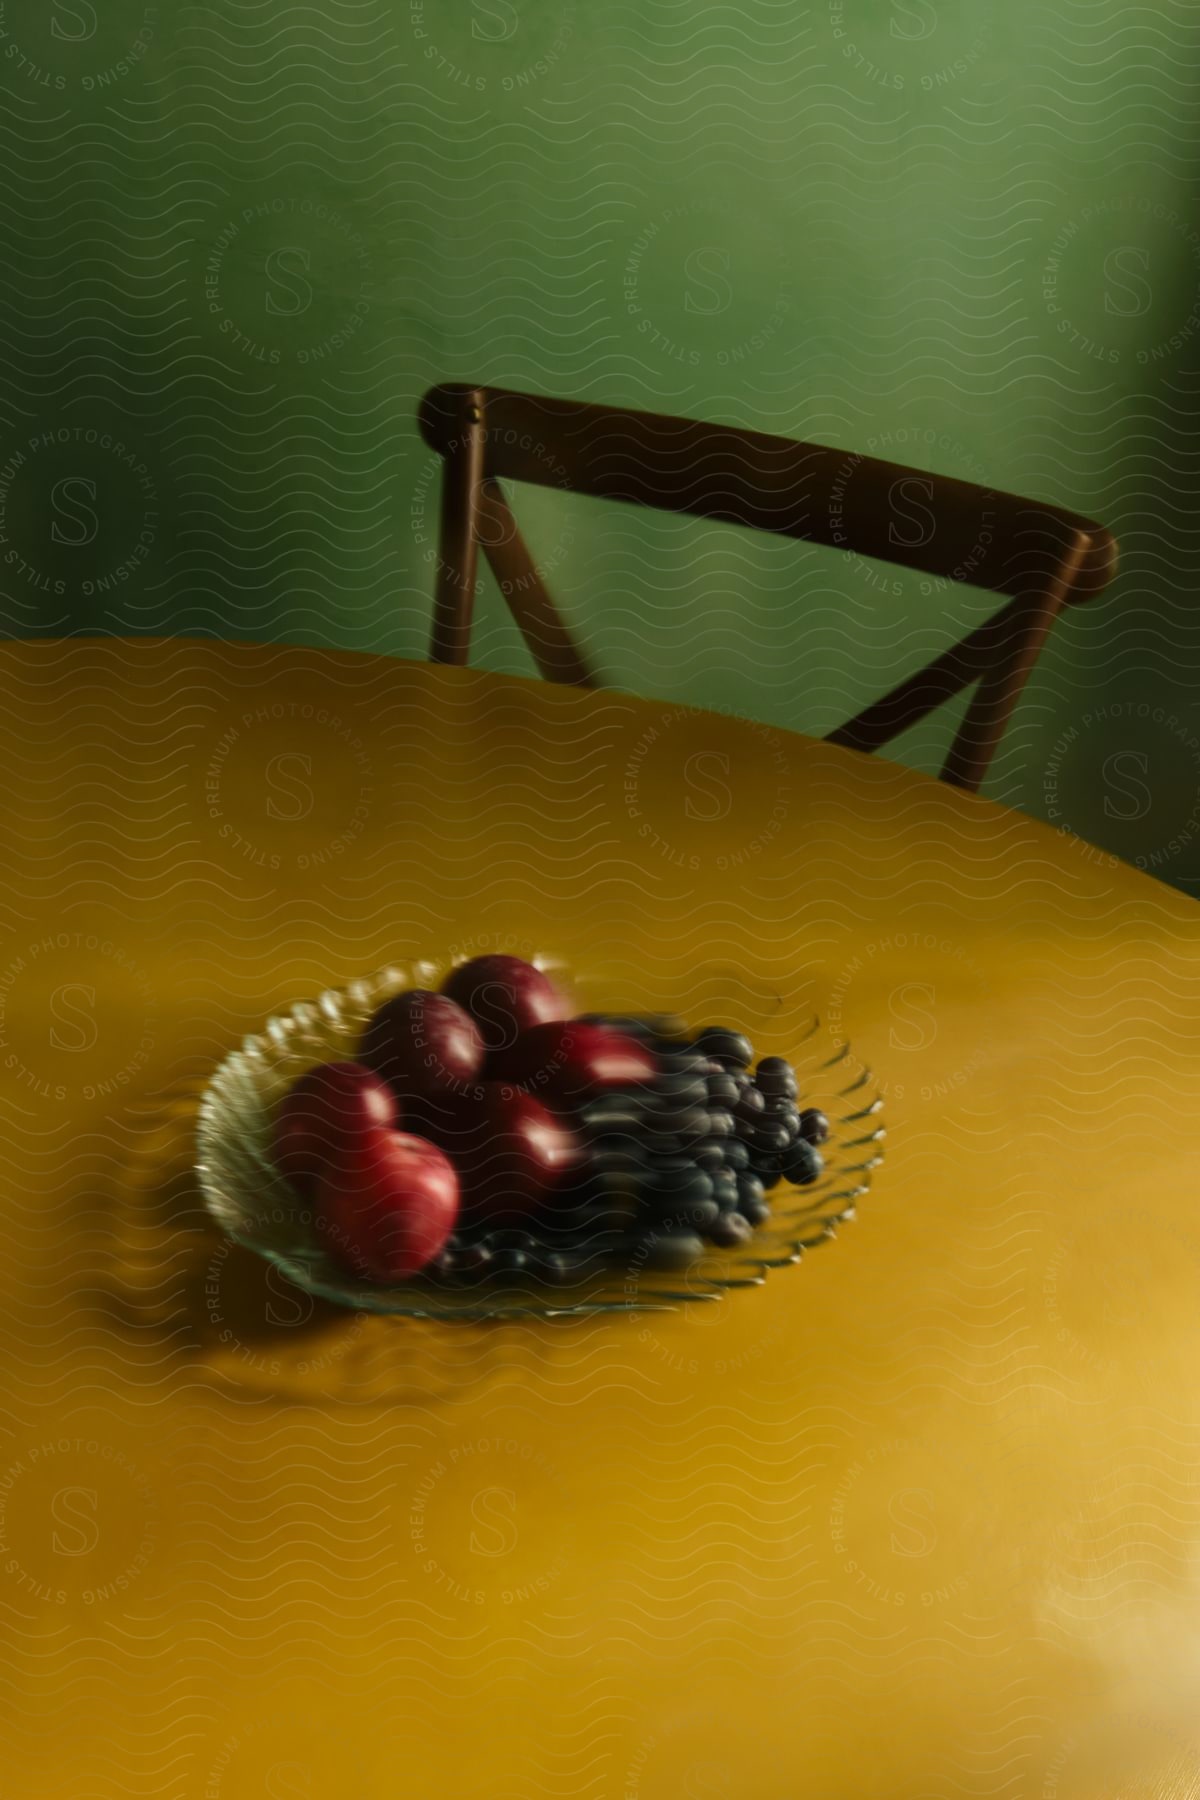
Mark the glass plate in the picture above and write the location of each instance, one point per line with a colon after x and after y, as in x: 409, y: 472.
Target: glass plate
x: 256, y: 1207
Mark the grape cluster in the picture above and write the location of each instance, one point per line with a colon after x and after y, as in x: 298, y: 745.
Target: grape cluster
x: 685, y: 1157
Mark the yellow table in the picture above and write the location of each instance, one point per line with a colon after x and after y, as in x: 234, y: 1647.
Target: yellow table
x: 920, y: 1516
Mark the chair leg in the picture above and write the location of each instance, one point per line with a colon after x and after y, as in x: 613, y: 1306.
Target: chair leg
x: 1000, y: 687
x: 458, y: 543
x: 538, y: 619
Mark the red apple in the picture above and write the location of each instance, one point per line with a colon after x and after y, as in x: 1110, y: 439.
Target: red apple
x: 504, y: 996
x: 388, y: 1205
x: 570, y: 1060
x: 331, y: 1103
x: 511, y: 1153
x: 422, y: 1043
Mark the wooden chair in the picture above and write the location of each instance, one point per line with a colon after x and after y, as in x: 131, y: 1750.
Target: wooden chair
x: 1041, y: 557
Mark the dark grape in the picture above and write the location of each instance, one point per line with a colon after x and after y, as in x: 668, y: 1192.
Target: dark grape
x: 699, y: 1218
x: 617, y: 1156
x: 802, y: 1163
x: 770, y: 1137
x: 511, y: 1262
x: 671, y: 1146
x: 473, y: 1261
x: 511, y: 1238
x: 720, y: 1123
x: 665, y: 1166
x: 731, y: 1230
x: 723, y: 1090
x: 685, y: 1122
x: 554, y: 1267
x: 776, y: 1078
x: 679, y: 1184
x: 814, y: 1126
x: 725, y: 1189
x: 757, y: 1212
x: 444, y: 1266
x: 782, y: 1112
x: 750, y: 1106
x: 723, y: 1046
x: 737, y: 1156
x: 622, y: 1105
x: 680, y: 1088
x: 670, y: 1250
x: 749, y: 1191
x: 514, y: 1252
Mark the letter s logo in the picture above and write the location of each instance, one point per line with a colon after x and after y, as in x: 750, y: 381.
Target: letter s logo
x: 67, y: 1005
x: 82, y: 15
x: 1136, y: 292
x: 296, y: 289
x: 295, y: 1308
x: 920, y: 20
x: 494, y: 1006
x: 75, y: 1509
x: 707, y: 270
x: 904, y: 1008
x: 70, y: 497
x: 501, y: 13
x: 494, y: 532
x: 494, y: 1508
x: 1137, y: 793
x: 718, y: 798
x: 917, y: 1541
x: 921, y: 522
x: 287, y: 782
x: 289, y: 1781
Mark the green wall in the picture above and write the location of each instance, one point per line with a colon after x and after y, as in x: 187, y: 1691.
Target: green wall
x: 244, y: 238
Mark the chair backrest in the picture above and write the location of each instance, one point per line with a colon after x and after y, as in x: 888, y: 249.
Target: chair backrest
x: 1041, y: 557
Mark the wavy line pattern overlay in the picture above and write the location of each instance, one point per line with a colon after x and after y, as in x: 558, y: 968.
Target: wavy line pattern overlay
x: 919, y: 1517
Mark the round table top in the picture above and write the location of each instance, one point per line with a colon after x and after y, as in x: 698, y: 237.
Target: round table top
x: 919, y: 1515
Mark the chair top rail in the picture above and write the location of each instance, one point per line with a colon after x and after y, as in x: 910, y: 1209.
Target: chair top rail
x: 862, y: 505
